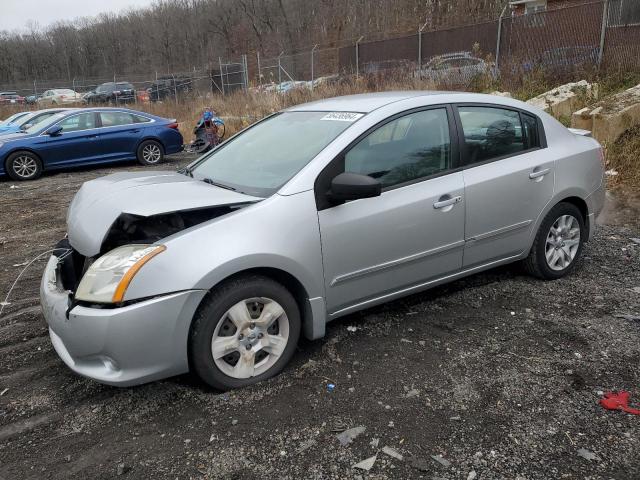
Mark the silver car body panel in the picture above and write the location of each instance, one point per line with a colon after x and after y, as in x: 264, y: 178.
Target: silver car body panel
x: 344, y: 258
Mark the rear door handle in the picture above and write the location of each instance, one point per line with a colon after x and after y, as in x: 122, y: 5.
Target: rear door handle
x: 447, y: 202
x: 538, y: 173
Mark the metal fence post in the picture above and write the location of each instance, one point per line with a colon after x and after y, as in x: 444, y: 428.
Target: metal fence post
x: 35, y: 90
x: 420, y: 48
x: 245, y: 65
x: 312, y: 62
x: 259, y: 69
x: 603, y: 32
x: 280, y: 68
x: 358, y: 56
x: 499, y: 37
x: 221, y: 77
x: 175, y: 88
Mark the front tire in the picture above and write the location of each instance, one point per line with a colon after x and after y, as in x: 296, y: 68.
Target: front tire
x: 558, y: 244
x: 244, y: 332
x: 150, y: 152
x: 23, y: 166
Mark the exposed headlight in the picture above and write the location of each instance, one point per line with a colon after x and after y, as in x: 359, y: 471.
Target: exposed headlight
x: 108, y: 278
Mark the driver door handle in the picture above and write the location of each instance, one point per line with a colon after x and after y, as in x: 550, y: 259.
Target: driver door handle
x: 447, y: 202
x: 538, y: 173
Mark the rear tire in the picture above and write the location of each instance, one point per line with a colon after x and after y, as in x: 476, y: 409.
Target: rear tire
x: 150, y: 152
x: 252, y: 323
x: 558, y: 244
x: 23, y: 166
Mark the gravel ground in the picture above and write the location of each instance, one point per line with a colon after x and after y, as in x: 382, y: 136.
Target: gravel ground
x: 495, y: 376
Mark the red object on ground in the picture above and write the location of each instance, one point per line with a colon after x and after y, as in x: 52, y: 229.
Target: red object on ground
x: 618, y: 401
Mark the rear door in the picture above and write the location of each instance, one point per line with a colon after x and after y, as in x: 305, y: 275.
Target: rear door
x: 412, y: 233
x: 119, y: 134
x: 508, y: 176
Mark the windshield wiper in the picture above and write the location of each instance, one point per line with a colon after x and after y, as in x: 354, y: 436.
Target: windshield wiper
x: 186, y: 171
x: 216, y: 184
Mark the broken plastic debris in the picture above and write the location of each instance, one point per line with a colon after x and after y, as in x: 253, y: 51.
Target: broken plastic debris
x: 442, y: 461
x: 352, y: 329
x: 611, y: 173
x: 331, y: 387
x: 587, y: 455
x: 346, y: 437
x: 392, y: 452
x: 618, y: 401
x: 366, y: 464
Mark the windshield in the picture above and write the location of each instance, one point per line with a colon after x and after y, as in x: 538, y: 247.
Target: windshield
x: 263, y: 158
x: 45, y: 124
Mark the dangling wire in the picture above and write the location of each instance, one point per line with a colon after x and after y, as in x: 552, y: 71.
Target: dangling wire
x: 67, y: 251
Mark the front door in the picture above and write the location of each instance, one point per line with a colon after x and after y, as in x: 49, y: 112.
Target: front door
x: 414, y: 231
x: 75, y: 144
x: 509, y: 179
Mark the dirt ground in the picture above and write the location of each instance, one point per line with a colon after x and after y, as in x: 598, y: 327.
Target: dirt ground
x: 499, y: 374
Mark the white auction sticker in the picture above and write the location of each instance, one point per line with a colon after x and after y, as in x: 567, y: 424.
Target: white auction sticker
x: 343, y: 116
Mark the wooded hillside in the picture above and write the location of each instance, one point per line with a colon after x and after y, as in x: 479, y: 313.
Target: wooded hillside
x: 176, y: 35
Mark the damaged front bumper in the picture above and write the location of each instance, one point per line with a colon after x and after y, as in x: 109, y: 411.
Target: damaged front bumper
x: 121, y: 346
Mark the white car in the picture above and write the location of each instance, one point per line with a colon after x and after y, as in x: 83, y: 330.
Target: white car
x: 59, y: 96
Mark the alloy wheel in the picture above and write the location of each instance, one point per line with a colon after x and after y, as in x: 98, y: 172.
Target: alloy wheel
x: 563, y: 242
x: 250, y: 337
x: 25, y: 166
x: 151, y: 153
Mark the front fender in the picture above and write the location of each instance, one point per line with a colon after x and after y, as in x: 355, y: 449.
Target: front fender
x: 281, y: 232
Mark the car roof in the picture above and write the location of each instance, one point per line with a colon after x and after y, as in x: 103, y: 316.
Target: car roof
x: 364, y: 103
x: 368, y: 102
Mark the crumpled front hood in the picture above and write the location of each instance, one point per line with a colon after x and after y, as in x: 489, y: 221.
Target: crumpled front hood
x: 100, y: 202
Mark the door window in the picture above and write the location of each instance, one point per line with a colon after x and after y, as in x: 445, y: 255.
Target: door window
x: 406, y: 149
x: 491, y: 132
x: 83, y: 121
x: 114, y: 119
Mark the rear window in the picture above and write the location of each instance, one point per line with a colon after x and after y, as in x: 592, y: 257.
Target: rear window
x: 140, y: 119
x: 124, y: 86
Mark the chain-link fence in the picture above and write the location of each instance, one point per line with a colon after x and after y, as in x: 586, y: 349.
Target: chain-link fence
x: 594, y: 34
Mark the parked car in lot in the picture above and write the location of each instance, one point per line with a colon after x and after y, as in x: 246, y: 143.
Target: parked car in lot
x: 220, y: 267
x: 7, y: 98
x: 88, y: 136
x: 456, y: 68
x: 13, y: 118
x: 28, y: 120
x: 169, y: 87
x: 59, y: 96
x: 32, y: 99
x: 112, y: 92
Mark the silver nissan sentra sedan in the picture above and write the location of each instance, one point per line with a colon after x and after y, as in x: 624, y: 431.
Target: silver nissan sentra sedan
x: 313, y: 213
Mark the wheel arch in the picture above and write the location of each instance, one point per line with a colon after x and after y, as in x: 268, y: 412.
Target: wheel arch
x: 151, y: 137
x: 573, y: 197
x: 311, y: 318
x: 21, y: 149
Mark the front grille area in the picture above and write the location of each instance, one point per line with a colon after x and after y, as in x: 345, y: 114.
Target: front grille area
x: 71, y: 265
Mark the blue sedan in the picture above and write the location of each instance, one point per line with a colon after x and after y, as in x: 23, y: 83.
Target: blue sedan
x: 88, y: 136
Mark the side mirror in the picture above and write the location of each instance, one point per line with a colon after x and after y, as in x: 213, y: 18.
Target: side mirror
x: 54, y: 131
x: 353, y: 186
x: 26, y: 126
